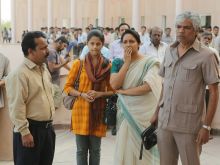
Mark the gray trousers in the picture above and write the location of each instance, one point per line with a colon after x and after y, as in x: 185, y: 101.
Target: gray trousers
x: 172, y: 144
x: 85, y: 144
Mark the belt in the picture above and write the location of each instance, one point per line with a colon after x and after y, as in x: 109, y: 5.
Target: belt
x: 41, y: 124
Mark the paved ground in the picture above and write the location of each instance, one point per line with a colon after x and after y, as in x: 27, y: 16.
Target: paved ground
x: 66, y: 149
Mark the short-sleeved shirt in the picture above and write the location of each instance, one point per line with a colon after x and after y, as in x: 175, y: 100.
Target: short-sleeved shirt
x: 116, y: 50
x: 54, y: 57
x: 149, y: 49
x: 85, y: 51
x: 185, y: 79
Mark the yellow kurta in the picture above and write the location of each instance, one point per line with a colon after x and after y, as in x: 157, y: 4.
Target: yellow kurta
x: 81, y: 108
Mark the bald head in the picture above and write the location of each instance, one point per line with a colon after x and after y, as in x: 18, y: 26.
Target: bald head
x: 155, y: 35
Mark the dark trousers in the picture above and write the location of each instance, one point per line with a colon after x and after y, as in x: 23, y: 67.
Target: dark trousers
x: 43, y: 151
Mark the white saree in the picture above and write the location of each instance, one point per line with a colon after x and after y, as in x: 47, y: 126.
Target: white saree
x: 128, y: 143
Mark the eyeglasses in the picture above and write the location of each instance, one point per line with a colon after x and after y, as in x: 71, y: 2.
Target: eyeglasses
x: 184, y: 27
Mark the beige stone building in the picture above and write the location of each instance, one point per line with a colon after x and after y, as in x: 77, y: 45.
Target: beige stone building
x: 33, y: 14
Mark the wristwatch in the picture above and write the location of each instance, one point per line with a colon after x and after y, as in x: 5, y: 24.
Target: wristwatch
x: 206, y: 127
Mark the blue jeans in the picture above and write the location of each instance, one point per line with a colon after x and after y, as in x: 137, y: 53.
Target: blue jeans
x: 85, y: 144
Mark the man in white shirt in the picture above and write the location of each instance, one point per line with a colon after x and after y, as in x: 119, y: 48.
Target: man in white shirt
x: 155, y: 48
x: 144, y: 36
x: 167, y: 38
x: 216, y: 39
x: 116, y: 49
x: 81, y: 40
x: 206, y: 39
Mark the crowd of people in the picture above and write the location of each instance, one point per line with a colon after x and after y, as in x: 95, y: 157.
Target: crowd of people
x: 120, y: 61
x: 6, y: 35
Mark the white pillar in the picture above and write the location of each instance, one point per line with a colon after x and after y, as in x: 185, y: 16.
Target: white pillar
x: 30, y: 7
x: 0, y: 23
x: 179, y: 6
x: 101, y: 13
x: 49, y: 13
x: 136, y: 14
x: 0, y: 13
x: 73, y: 13
x: 13, y: 20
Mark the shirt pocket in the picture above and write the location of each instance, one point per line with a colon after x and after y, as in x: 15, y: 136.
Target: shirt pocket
x: 186, y: 116
x: 189, y: 72
x: 168, y: 68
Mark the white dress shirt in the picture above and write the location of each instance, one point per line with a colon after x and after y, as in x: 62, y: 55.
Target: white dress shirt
x: 150, y: 50
x: 116, y: 50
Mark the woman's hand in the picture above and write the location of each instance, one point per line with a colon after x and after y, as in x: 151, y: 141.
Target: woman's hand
x: 94, y: 94
x: 127, y: 55
x: 120, y: 91
x: 87, y: 97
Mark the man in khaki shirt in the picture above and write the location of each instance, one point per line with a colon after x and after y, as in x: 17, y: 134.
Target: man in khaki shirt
x: 187, y: 68
x: 31, y: 105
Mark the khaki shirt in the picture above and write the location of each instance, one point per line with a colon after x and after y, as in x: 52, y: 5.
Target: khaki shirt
x: 4, y: 70
x: 29, y: 92
x: 185, y: 79
x: 4, y: 66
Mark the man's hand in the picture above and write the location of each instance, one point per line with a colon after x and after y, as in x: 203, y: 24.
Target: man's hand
x: 154, y: 119
x: 28, y: 141
x: 203, y: 136
x: 67, y: 60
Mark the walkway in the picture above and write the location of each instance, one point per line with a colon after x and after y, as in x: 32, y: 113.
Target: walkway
x: 66, y: 149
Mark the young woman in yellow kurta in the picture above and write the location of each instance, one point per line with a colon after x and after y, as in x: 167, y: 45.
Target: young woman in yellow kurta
x: 87, y: 112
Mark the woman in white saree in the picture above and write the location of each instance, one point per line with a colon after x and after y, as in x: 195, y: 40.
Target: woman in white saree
x: 140, y: 90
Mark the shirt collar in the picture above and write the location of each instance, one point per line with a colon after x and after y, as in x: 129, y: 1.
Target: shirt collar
x: 151, y: 44
x: 31, y: 65
x: 196, y: 45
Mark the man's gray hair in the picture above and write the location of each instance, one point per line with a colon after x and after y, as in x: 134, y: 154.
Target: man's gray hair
x: 194, y: 17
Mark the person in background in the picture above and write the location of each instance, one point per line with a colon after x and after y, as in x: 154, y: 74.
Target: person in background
x: 206, y: 39
x: 116, y: 49
x: 144, y: 36
x: 4, y: 70
x: 54, y: 61
x: 155, y: 47
x: 105, y: 52
x: 167, y: 38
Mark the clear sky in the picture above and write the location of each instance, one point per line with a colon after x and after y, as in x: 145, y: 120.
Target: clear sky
x: 5, y: 10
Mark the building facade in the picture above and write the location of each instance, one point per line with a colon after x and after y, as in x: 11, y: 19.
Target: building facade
x: 34, y: 14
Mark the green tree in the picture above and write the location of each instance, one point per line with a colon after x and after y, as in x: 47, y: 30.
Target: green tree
x: 6, y: 24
